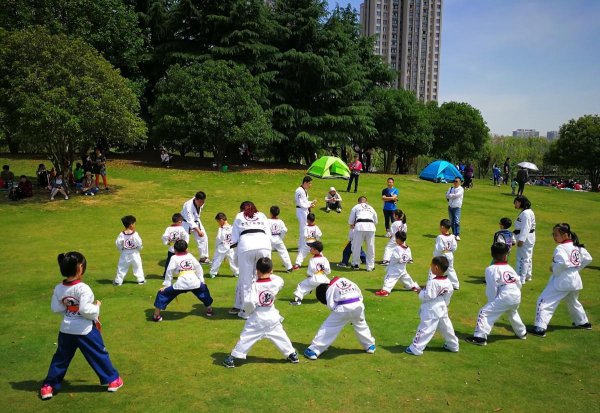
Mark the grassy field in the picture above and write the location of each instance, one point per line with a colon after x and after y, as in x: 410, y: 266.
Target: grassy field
x: 175, y: 366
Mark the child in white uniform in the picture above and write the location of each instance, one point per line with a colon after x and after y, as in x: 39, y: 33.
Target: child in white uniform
x: 345, y: 301
x: 525, y: 234
x: 565, y: 283
x: 278, y: 231
x: 130, y: 244
x: 434, y: 310
x: 396, y: 269
x: 264, y: 320
x: 223, y: 247
x: 399, y: 224
x: 445, y: 244
x: 172, y: 234
x: 316, y: 273
x: 503, y: 291
x: 312, y: 233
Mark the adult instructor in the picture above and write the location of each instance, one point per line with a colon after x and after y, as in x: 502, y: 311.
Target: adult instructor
x: 455, y: 199
x: 389, y: 196
x: 192, y: 211
x: 303, y: 206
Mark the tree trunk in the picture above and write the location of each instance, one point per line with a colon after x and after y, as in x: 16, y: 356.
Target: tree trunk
x: 595, y: 179
x: 388, y: 159
x: 13, y: 145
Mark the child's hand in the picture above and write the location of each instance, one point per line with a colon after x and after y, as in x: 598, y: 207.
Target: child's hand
x: 162, y: 289
x: 98, y: 303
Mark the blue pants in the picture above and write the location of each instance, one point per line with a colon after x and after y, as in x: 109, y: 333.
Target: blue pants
x: 347, y: 253
x: 454, y: 214
x: 163, y: 298
x: 169, y: 255
x: 92, y: 348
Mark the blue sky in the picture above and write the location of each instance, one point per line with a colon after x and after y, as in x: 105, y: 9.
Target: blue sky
x: 531, y: 64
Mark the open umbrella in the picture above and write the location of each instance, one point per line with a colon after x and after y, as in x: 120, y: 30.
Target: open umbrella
x: 528, y: 165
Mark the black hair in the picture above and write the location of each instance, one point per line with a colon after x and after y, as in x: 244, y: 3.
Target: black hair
x: 200, y: 196
x: 23, y: 176
x: 275, y: 211
x: 311, y: 217
x: 69, y: 261
x: 565, y: 228
x: 525, y: 203
x: 441, y: 262
x: 401, y: 215
x: 321, y: 293
x: 180, y: 246
x: 499, y: 251
x: 306, y: 179
x: 506, y: 222
x: 5, y: 167
x: 362, y: 199
x: 127, y: 220
x: 391, y: 179
x: 177, y: 217
x: 401, y: 235
x: 445, y: 223
x: 264, y: 265
x: 318, y: 245
x: 78, y: 165
x: 576, y: 241
x: 221, y: 215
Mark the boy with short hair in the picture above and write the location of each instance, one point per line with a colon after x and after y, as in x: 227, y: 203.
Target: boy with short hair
x: 172, y: 234
x: 345, y: 300
x: 503, y: 291
x: 396, y: 270
x: 505, y: 236
x: 190, y: 278
x: 434, y: 310
x: 278, y: 231
x: 312, y: 233
x: 445, y: 244
x: 223, y: 247
x: 264, y: 320
x: 129, y: 243
x: 316, y: 273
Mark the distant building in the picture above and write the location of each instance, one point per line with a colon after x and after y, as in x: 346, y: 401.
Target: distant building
x: 407, y: 37
x: 526, y: 133
x: 551, y: 135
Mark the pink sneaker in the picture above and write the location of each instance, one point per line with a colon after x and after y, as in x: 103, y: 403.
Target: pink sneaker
x: 382, y: 293
x: 46, y: 392
x: 115, y: 385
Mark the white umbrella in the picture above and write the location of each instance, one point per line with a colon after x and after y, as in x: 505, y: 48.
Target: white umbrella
x: 528, y: 165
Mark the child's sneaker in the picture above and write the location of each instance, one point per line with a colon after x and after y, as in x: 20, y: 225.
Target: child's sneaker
x: 295, y: 267
x: 309, y: 354
x: 236, y: 275
x: 327, y: 209
x: 115, y: 385
x: 355, y: 267
x: 523, y: 337
x: 205, y: 261
x: 382, y: 293
x: 538, y: 331
x: 371, y: 349
x: 451, y: 350
x: 295, y: 301
x: 342, y: 265
x: 385, y: 263
x: 293, y: 358
x: 209, y: 312
x: 157, y: 318
x: 141, y: 282
x: 409, y: 351
x: 586, y: 326
x: 66, y: 197
x: 229, y: 362
x: 416, y: 289
x: 234, y: 311
x: 46, y: 392
x: 212, y: 275
x: 338, y: 210
x: 478, y: 341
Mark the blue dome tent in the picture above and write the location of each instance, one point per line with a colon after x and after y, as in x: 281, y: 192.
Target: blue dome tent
x: 440, y: 171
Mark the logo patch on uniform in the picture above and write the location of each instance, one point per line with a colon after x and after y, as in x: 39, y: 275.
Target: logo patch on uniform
x: 186, y: 265
x: 265, y: 298
x: 405, y: 258
x: 129, y: 243
x: 343, y: 284
x: 72, y: 305
x: 575, y: 258
x: 508, y: 278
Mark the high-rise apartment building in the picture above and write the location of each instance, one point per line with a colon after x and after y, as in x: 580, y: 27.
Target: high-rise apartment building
x: 407, y: 37
x: 526, y: 133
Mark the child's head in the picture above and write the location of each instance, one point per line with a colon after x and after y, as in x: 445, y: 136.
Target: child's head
x: 362, y: 199
x: 128, y: 221
x: 400, y: 237
x: 5, y: 167
x: 499, y: 251
x: 505, y: 223
x: 310, y: 218
x: 445, y: 226
x: 316, y: 247
x: 180, y: 246
x: 264, y: 266
x: 399, y: 215
x: 521, y: 202
x: 71, y: 264
x: 439, y: 265
x: 221, y: 218
x: 177, y: 218
x: 23, y: 178
x: 321, y: 293
x: 275, y: 211
x: 78, y: 165
x: 561, y: 232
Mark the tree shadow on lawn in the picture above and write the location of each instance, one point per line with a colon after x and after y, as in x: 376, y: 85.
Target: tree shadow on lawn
x: 67, y: 386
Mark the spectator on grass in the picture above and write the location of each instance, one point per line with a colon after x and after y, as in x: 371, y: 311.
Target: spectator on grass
x: 389, y: 196
x: 88, y: 186
x: 78, y: 175
x: 43, y: 176
x: 99, y: 161
x: 7, y: 177
x: 165, y: 158
x: 506, y: 170
x: 25, y: 188
x: 333, y: 200
x: 58, y: 185
x: 522, y: 178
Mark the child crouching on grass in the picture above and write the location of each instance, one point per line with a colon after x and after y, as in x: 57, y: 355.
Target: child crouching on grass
x: 80, y: 328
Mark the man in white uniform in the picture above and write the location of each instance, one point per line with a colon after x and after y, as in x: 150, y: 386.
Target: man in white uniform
x: 303, y: 206
x: 192, y: 211
x: 363, y: 220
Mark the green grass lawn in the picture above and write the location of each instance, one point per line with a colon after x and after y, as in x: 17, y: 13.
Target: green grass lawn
x: 175, y: 366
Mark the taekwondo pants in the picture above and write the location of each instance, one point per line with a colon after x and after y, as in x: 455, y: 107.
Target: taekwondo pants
x: 218, y: 258
x: 283, y: 253
x: 134, y: 260
x: 247, y: 265
x: 525, y: 261
x: 427, y: 327
x: 490, y: 312
x: 549, y: 300
x: 252, y: 333
x: 357, y: 240
x: 390, y: 281
x: 301, y: 214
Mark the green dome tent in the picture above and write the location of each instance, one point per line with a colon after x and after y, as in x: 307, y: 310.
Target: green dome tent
x: 329, y: 167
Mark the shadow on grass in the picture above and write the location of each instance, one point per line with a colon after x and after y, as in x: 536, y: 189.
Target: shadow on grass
x: 305, y: 300
x: 219, y: 357
x: 429, y: 236
x: 154, y: 277
x: 594, y: 267
x: 67, y: 387
x: 396, y: 349
x: 475, y: 280
x: 162, y: 263
x: 197, y: 310
x: 395, y: 290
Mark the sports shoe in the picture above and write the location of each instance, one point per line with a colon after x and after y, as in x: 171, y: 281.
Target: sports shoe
x: 46, y: 392
x: 51, y: 198
x: 209, y: 311
x: 295, y: 267
x: 338, y: 210
x: 212, y: 275
x: 457, y: 237
x: 586, y: 326
x: 116, y: 284
x: 92, y: 194
x: 66, y: 197
x: 355, y: 267
x: 242, y: 314
x: 115, y: 385
x: 449, y: 349
x: 327, y: 210
x: 538, y: 331
x: 416, y: 289
x: 234, y: 311
x: 157, y: 319
x: 371, y: 349
x: 289, y: 270
x: 309, y: 354
x: 478, y: 341
x: 382, y: 293
x: 523, y: 337
x: 342, y: 265
x: 385, y: 263
x: 142, y: 282
x: 229, y: 362
x: 236, y: 275
x: 293, y: 358
x: 409, y: 351
x: 295, y: 302
x: 205, y: 261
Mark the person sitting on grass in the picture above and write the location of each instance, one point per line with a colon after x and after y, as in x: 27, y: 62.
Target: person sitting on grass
x: 58, y: 185
x: 88, y: 186
x: 7, y: 177
x: 333, y: 200
x: 23, y: 190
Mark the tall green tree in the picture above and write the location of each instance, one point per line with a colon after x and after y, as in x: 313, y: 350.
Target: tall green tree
x: 60, y: 96
x: 209, y: 106
x: 578, y: 146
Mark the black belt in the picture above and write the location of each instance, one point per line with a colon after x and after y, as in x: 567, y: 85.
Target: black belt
x: 250, y: 231
x: 364, y: 220
x: 518, y: 231
x: 298, y: 206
